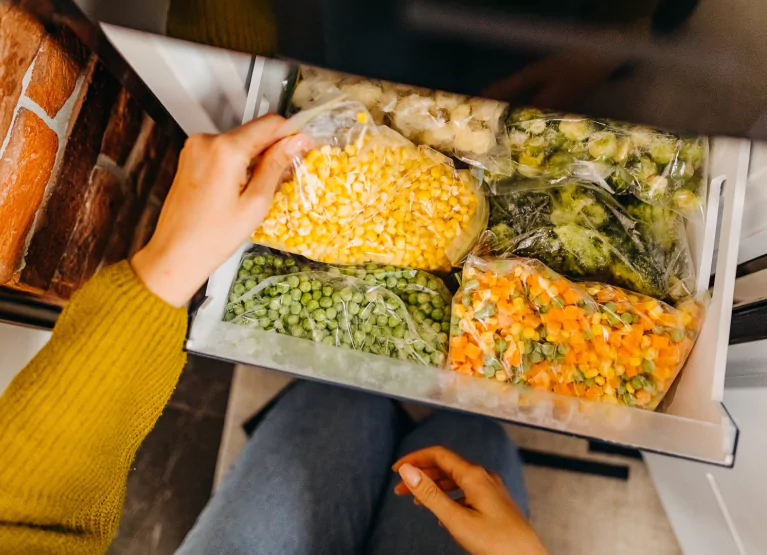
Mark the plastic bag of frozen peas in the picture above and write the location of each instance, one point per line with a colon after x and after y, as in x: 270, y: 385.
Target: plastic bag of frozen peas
x: 379, y: 309
x: 518, y: 321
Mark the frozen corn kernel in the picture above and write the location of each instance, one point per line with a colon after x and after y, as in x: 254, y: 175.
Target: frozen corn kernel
x: 382, y: 200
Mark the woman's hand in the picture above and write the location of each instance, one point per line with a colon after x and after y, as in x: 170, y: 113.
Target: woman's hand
x: 485, y: 521
x: 217, y: 199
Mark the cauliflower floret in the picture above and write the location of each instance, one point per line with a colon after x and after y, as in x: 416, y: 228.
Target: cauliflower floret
x: 461, y: 114
x: 448, y: 101
x: 515, y: 139
x: 603, y: 145
x: 534, y: 126
x: 413, y: 115
x: 366, y: 92
x: 575, y: 128
x: 309, y: 90
x: 641, y: 137
x: 388, y: 100
x: 440, y: 137
x: 663, y: 149
x: 486, y: 110
x: 473, y: 137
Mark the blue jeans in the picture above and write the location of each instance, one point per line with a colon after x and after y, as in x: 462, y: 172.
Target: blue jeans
x: 316, y: 478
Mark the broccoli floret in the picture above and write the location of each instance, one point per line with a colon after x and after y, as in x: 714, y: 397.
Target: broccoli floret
x: 578, y: 205
x: 630, y: 278
x: 589, y: 249
x: 603, y: 145
x: 620, y: 180
x: 575, y: 128
x: 693, y: 151
x: 559, y: 164
x: 663, y: 149
x: 661, y: 225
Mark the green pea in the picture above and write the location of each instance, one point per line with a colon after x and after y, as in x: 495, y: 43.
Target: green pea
x: 277, y: 262
x: 312, y: 305
x: 367, y: 327
x: 391, y: 282
x: 247, y: 263
x: 437, y: 314
x: 677, y: 335
x: 339, y: 307
x: 442, y: 338
x: 382, y: 320
x: 562, y: 349
x: 256, y: 270
x: 292, y: 319
x: 610, y: 307
x: 636, y: 383
x: 394, y: 321
x: 588, y: 382
x: 358, y: 297
x: 295, y: 294
x: 278, y: 325
x: 319, y: 315
x: 264, y: 322
x: 648, y: 366
x: 267, y: 272
x: 424, y: 298
x: 326, y: 302
x: 359, y: 337
x: 436, y: 326
x: 239, y: 289
x: 290, y: 262
x: 332, y: 324
x: 295, y: 308
x: 419, y: 316
x: 437, y: 301
x: 316, y: 285
x: 425, y: 307
x: 296, y: 331
x: 401, y: 284
x: 272, y: 315
x: 614, y: 320
x: 412, y: 298
x: 305, y: 286
x: 303, y: 298
x: 361, y: 272
x: 317, y: 295
x: 250, y: 284
x: 259, y: 312
x: 421, y: 280
x: 327, y: 291
x: 346, y: 294
x: 238, y: 309
x: 330, y: 312
x: 354, y: 308
x: 260, y: 260
x: 445, y: 326
x: 242, y: 274
x: 588, y: 335
x: 307, y: 324
x: 336, y: 297
x: 229, y: 316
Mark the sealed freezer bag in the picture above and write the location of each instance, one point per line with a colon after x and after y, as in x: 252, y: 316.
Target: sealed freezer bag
x: 366, y: 194
x: 379, y: 309
x: 466, y: 127
x: 516, y: 320
x: 580, y: 230
x: 657, y: 167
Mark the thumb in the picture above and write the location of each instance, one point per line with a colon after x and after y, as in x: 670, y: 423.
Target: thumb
x: 270, y: 167
x: 431, y: 496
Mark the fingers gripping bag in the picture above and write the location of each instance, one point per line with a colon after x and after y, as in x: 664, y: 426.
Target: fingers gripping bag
x: 515, y: 320
x: 366, y: 194
x: 656, y: 167
x: 457, y: 125
x: 580, y: 230
x: 384, y: 310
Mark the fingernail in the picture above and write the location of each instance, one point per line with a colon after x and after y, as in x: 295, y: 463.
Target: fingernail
x: 410, y: 474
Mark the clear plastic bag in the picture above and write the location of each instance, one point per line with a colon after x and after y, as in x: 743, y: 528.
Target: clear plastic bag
x: 581, y: 231
x: 466, y: 127
x: 343, y: 306
x: 516, y: 320
x: 367, y: 194
x: 657, y: 167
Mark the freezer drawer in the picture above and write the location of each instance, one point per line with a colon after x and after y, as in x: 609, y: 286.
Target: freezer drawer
x: 691, y: 422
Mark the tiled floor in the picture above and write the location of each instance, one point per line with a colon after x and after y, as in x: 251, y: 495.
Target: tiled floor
x: 172, y: 476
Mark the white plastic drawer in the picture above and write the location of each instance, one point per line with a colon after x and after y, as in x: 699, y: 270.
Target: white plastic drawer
x: 691, y: 422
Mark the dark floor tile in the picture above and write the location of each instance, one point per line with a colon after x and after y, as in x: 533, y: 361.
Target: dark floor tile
x: 203, y: 387
x: 172, y: 476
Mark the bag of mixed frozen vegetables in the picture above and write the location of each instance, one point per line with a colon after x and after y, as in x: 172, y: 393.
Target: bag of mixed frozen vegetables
x: 516, y: 320
x: 656, y: 167
x: 580, y: 230
x: 366, y: 194
x: 466, y: 127
x: 384, y: 310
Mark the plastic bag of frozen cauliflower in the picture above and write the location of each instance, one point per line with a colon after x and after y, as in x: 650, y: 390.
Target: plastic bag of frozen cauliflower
x: 454, y: 124
x: 364, y: 193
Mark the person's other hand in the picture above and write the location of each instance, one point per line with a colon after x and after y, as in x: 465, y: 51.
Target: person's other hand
x: 218, y: 197
x: 486, y: 521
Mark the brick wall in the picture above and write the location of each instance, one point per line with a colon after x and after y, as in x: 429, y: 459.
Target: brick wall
x: 83, y: 170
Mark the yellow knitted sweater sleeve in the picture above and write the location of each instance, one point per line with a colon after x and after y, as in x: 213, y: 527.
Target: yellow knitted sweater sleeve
x: 72, y: 419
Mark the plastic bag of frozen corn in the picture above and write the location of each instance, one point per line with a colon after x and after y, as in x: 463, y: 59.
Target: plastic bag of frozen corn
x: 515, y: 320
x: 364, y: 193
x: 395, y: 312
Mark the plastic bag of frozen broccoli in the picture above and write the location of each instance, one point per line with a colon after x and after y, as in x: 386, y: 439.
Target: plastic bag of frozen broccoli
x: 457, y: 125
x: 581, y: 231
x: 364, y: 193
x: 384, y: 310
x: 515, y: 320
x: 659, y: 168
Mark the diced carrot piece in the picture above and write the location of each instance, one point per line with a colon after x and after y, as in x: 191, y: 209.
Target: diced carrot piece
x: 613, y: 382
x: 615, y: 339
x: 594, y: 392
x: 631, y: 371
x: 572, y: 312
x: 458, y: 342
x: 659, y: 341
x: 458, y: 355
x: 571, y: 297
x: 472, y: 351
x: 514, y: 358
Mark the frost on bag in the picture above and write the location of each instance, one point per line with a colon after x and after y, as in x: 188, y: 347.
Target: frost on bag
x: 366, y: 194
x: 466, y: 127
x: 657, y: 167
x: 516, y: 320
x: 581, y: 231
x: 384, y: 310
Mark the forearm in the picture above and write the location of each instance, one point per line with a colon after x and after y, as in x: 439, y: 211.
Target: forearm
x: 72, y: 420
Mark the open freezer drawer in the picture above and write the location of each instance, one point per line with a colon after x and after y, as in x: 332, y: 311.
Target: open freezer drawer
x: 690, y: 423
